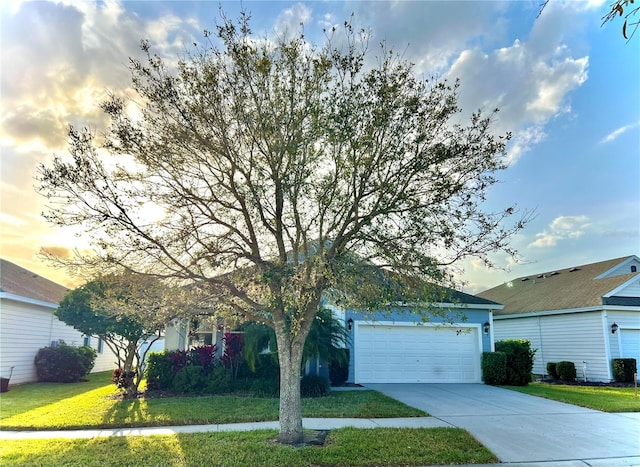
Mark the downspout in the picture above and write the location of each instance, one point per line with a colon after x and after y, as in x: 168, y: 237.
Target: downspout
x: 607, y: 343
x: 544, y: 365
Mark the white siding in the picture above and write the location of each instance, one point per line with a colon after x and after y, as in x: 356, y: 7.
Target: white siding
x: 632, y: 290
x: 624, y: 268
x: 26, y: 328
x: 576, y: 337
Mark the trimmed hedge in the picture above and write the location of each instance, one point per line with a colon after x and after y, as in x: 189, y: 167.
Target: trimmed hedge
x: 552, y: 369
x: 519, y: 360
x: 494, y: 367
x: 159, y: 370
x: 623, y: 369
x: 64, y: 363
x: 566, y: 370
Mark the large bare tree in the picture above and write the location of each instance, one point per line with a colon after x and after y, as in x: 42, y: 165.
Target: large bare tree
x: 283, y: 171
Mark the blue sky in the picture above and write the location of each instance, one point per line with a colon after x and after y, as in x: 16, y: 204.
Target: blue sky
x: 568, y: 90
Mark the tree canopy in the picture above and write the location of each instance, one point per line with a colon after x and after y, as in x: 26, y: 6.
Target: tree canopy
x: 284, y: 170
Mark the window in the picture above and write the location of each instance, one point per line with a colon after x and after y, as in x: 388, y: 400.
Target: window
x: 100, y: 345
x: 87, y: 341
x: 634, y: 269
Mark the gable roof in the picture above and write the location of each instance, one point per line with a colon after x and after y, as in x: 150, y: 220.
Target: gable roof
x: 19, y: 281
x: 564, y: 289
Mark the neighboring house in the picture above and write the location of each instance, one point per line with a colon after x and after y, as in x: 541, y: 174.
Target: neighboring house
x: 588, y: 314
x: 27, y: 323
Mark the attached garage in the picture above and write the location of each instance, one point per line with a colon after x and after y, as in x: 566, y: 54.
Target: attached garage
x: 416, y: 353
x: 630, y: 344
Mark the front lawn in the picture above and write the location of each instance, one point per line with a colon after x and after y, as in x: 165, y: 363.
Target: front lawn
x: 343, y: 447
x: 44, y: 406
x: 603, y: 398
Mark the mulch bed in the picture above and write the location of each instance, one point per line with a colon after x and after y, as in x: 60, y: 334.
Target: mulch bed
x: 614, y: 384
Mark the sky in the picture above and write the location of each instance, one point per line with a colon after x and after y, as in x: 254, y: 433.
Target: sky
x: 567, y: 89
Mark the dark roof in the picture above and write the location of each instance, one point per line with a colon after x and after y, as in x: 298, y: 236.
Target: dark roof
x: 465, y: 298
x: 20, y: 281
x: 560, y: 289
x: 621, y: 301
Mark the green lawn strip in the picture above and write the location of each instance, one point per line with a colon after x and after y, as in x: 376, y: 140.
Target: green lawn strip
x: 96, y: 409
x: 343, y: 447
x: 603, y: 398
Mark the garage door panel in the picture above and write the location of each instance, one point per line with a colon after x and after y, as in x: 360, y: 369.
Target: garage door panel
x: 416, y: 354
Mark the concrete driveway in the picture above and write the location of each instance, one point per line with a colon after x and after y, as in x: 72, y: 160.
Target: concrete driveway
x: 521, y: 428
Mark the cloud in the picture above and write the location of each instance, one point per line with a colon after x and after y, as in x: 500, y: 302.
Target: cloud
x: 619, y: 132
x: 562, y: 228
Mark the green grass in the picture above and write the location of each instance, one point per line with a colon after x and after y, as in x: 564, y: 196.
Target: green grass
x: 603, y: 398
x: 44, y: 406
x: 344, y: 447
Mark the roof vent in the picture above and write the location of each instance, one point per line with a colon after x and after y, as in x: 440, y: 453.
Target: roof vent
x: 554, y: 273
x: 540, y: 276
x: 574, y: 269
x: 634, y: 268
x: 524, y: 279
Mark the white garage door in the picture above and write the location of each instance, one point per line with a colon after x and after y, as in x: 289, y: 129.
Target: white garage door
x: 630, y: 344
x: 416, y: 354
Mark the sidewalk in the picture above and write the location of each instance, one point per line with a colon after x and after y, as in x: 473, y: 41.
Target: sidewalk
x: 308, y: 423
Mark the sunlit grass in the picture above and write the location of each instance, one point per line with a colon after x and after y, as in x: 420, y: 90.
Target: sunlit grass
x: 343, y: 447
x: 92, y: 405
x: 603, y: 398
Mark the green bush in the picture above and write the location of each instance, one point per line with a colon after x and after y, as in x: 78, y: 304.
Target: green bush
x: 190, y: 379
x: 566, y: 371
x: 339, y: 369
x: 623, y: 369
x: 159, y: 371
x: 219, y: 381
x: 519, y: 360
x: 265, y: 387
x: 552, y: 369
x: 63, y: 363
x: 314, y: 386
x: 494, y: 367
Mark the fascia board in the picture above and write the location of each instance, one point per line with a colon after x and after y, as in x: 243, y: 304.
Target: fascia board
x: 31, y: 301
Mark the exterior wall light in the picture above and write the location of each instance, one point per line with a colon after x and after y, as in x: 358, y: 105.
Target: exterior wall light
x: 350, y: 324
x: 485, y: 327
x: 614, y: 328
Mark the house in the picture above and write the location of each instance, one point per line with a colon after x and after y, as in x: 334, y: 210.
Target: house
x: 587, y: 314
x: 27, y: 323
x: 396, y: 347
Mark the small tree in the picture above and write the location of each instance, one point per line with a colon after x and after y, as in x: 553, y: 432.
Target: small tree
x: 124, y: 310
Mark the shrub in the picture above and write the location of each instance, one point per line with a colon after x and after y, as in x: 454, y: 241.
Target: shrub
x: 339, y: 369
x: 87, y: 356
x: 203, y: 356
x: 552, y: 370
x: 623, y: 369
x: 63, y: 363
x: 190, y: 379
x: 566, y: 370
x: 159, y: 370
x: 122, y: 379
x: 519, y: 360
x: 494, y: 367
x: 219, y: 381
x: 265, y: 387
x: 314, y: 386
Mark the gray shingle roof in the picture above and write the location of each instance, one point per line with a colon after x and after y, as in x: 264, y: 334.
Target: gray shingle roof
x: 20, y: 281
x: 569, y: 288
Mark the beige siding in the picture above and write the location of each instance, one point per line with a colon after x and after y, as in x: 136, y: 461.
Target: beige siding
x: 25, y: 328
x: 576, y: 337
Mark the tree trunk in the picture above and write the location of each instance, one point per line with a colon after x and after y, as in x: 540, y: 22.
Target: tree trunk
x: 290, y: 356
x: 128, y: 375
